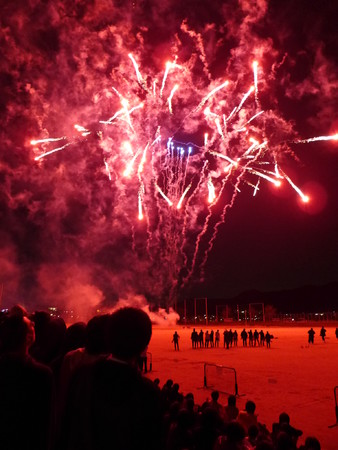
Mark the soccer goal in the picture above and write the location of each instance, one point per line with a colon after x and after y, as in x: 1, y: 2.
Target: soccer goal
x: 220, y: 378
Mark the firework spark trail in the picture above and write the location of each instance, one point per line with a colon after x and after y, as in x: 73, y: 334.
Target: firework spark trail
x: 212, y: 93
x: 216, y: 227
x: 304, y: 197
x: 185, y: 222
x: 42, y: 141
x: 245, y: 97
x: 255, y: 72
x: 204, y: 231
x: 318, y: 138
x: 179, y: 204
x: 43, y: 155
x: 138, y: 74
x: 250, y: 120
x: 174, y: 89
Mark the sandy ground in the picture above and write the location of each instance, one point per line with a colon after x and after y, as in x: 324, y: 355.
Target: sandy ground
x: 291, y: 376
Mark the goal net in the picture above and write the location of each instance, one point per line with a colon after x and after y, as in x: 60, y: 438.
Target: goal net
x: 220, y: 378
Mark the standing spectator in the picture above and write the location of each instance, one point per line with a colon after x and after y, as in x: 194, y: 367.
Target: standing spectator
x: 311, y: 334
x: 244, y: 336
x: 175, y: 341
x: 207, y: 339
x: 217, y: 338
x: 256, y: 336
x: 323, y: 333
x: 268, y: 338
x: 200, y: 338
x: 250, y: 338
x: 194, y: 338
x: 262, y: 337
x: 235, y: 336
x: 226, y: 338
x: 211, y: 338
x: 231, y: 337
x: 336, y: 333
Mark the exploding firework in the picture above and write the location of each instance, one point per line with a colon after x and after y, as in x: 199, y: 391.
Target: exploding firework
x: 177, y: 148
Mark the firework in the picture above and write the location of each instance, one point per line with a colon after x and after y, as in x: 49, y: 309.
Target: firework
x: 167, y: 183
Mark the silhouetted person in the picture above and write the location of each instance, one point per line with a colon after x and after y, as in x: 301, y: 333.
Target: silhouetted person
x: 231, y: 337
x: 206, y: 434
x: 262, y: 337
x: 25, y: 389
x: 180, y: 435
x: 194, y: 338
x: 244, y: 336
x: 214, y: 404
x: 283, y: 426
x: 175, y: 341
x: 256, y: 337
x: 247, y: 418
x: 206, y: 339
x: 142, y: 361
x: 231, y: 410
x: 211, y: 338
x: 200, y: 338
x: 226, y: 339
x: 268, y: 338
x: 336, y: 333
x: 110, y: 404
x: 311, y: 334
x: 235, y: 336
x: 217, y: 338
x: 322, y: 333
x: 311, y: 443
x: 250, y: 338
x: 234, y: 438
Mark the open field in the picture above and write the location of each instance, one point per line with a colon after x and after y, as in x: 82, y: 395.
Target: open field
x: 290, y: 377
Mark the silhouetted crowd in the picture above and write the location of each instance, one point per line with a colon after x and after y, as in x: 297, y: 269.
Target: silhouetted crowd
x: 81, y: 388
x: 211, y: 339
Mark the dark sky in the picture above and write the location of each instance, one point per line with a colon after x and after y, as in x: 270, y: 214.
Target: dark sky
x: 69, y: 235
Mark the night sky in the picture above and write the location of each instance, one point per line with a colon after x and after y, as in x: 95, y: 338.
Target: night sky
x: 69, y: 235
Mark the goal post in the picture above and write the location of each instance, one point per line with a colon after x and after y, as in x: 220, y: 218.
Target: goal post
x: 221, y: 378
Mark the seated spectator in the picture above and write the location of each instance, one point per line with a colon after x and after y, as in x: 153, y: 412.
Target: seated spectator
x: 311, y: 443
x: 180, y: 435
x: 206, y: 434
x: 234, y: 439
x: 247, y: 418
x: 214, y: 404
x: 26, y: 389
x: 231, y: 410
x: 110, y: 404
x: 284, y: 426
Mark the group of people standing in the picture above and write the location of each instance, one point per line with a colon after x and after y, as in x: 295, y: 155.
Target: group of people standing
x: 322, y: 334
x: 212, y: 339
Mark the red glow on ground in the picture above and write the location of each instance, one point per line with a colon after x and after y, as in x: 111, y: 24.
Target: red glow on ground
x: 290, y: 377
